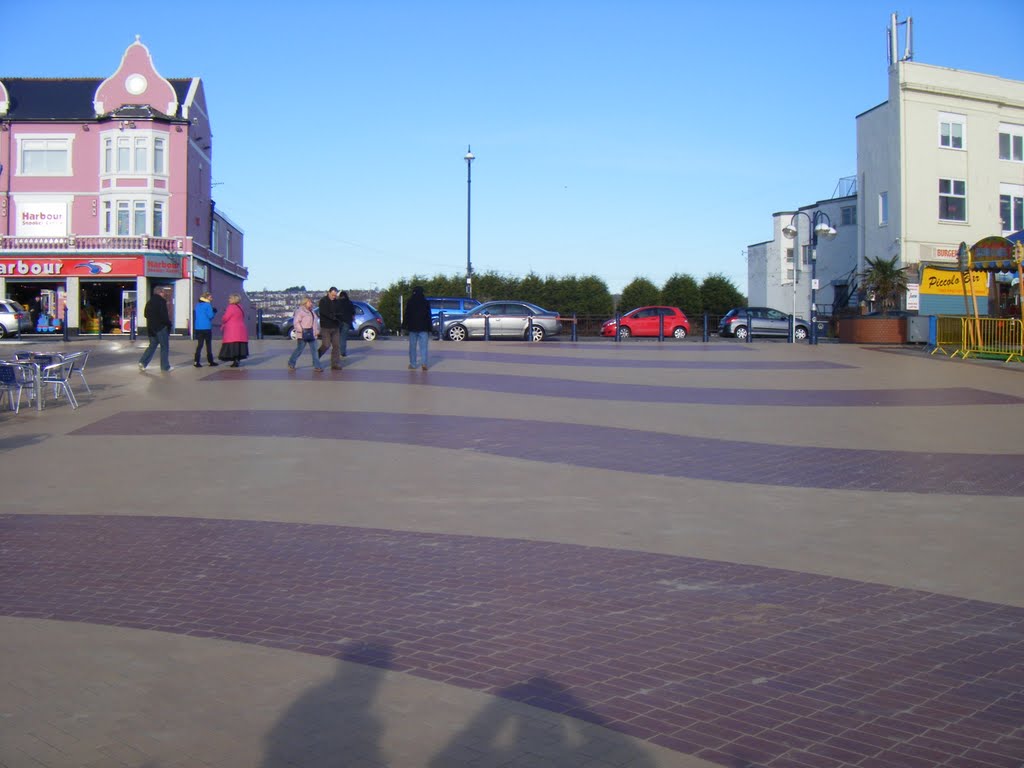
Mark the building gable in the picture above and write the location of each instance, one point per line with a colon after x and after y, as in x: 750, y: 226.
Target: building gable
x: 135, y: 82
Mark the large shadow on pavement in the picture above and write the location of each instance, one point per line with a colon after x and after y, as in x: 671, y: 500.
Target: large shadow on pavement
x: 506, y: 732
x: 332, y: 724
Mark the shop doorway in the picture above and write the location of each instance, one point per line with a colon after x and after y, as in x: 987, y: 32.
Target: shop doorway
x: 44, y: 301
x: 101, y: 305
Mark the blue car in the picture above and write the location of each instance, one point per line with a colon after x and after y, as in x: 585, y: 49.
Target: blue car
x: 367, y: 324
x: 452, y: 306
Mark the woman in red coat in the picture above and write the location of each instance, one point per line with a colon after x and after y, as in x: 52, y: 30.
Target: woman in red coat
x: 235, y: 344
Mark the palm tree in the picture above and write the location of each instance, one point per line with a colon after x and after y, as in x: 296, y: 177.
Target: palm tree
x: 887, y: 281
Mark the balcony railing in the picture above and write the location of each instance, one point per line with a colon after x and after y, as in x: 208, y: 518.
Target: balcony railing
x: 93, y: 243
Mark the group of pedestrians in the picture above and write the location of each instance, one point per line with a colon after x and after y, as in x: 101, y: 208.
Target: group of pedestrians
x: 330, y: 324
x: 234, y: 344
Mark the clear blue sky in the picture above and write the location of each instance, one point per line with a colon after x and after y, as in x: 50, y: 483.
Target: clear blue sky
x: 621, y: 139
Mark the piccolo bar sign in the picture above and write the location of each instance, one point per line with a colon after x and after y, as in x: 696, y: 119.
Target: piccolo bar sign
x: 949, y: 283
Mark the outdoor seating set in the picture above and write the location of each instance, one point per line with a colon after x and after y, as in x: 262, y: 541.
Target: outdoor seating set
x: 33, y: 372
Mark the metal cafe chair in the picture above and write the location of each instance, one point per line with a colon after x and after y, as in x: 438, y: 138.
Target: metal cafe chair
x: 14, y: 379
x: 79, y: 360
x: 58, y: 374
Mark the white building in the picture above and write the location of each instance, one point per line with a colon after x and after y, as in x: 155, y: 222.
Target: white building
x: 939, y: 163
x: 779, y: 271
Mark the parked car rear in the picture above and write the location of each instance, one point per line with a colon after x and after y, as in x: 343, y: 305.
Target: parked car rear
x: 14, y: 318
x: 367, y: 323
x: 450, y: 305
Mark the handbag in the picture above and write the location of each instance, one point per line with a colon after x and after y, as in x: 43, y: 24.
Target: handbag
x: 307, y: 334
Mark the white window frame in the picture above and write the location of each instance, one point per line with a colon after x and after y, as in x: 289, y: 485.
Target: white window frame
x: 883, y: 209
x: 134, y: 153
x: 954, y: 189
x: 1014, y: 142
x: 52, y: 142
x: 947, y: 134
x: 134, y: 216
x: 848, y: 216
x: 1012, y: 196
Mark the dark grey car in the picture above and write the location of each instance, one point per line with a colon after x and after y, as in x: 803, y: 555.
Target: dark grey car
x: 764, y: 321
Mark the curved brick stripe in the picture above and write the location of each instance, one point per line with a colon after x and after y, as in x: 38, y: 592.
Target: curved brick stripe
x: 740, y: 665
x: 446, y: 352
x: 649, y: 393
x: 627, y: 450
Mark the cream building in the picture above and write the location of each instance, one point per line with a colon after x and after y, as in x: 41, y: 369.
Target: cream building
x: 939, y: 163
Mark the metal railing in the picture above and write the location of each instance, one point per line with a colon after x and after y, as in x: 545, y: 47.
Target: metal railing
x: 92, y: 243
x: 1001, y: 338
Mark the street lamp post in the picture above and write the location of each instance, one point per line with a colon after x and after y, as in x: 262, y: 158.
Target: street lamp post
x: 821, y: 225
x: 469, y: 199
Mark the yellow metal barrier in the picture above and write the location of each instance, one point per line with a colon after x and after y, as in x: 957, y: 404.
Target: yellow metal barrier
x: 949, y: 335
x: 999, y: 337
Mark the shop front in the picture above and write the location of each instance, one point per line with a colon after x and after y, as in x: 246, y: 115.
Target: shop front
x: 95, y: 293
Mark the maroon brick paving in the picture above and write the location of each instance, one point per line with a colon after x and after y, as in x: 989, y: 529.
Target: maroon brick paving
x: 547, y: 386
x: 741, y: 665
x: 584, y: 445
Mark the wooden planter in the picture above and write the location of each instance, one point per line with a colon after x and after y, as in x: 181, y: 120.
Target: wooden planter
x: 873, y: 330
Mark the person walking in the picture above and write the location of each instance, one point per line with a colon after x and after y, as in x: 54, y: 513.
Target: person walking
x: 330, y: 327
x: 417, y: 322
x: 235, y: 336
x: 204, y: 329
x: 158, y: 328
x: 346, y: 314
x: 307, y: 327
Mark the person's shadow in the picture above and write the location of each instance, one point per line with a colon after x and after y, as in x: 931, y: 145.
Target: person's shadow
x: 331, y: 724
x: 504, y: 732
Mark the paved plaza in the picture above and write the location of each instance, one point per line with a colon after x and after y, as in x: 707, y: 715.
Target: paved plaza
x: 594, y: 555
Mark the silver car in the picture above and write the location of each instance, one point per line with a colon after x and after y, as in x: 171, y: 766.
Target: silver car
x: 14, y: 318
x: 503, y: 320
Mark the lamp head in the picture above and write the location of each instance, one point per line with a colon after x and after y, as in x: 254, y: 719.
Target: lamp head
x: 789, y: 231
x: 469, y: 155
x: 826, y: 231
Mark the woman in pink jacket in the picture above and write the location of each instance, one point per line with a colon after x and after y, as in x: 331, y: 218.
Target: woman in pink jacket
x: 235, y: 344
x: 307, y: 328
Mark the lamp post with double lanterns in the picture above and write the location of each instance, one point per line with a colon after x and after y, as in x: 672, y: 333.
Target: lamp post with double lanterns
x: 469, y: 199
x: 821, y: 226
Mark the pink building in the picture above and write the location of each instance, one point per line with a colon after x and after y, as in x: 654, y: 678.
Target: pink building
x: 105, y: 193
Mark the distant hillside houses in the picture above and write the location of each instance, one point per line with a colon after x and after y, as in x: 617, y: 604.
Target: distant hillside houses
x: 283, y: 303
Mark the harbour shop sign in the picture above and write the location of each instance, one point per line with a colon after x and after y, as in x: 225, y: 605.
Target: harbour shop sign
x: 94, y: 266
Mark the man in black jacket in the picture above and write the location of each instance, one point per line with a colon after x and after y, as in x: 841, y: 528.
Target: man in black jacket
x: 329, y: 327
x: 158, y: 327
x: 346, y: 314
x: 416, y: 320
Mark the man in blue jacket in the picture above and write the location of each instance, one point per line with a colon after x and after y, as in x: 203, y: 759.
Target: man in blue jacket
x: 204, y: 328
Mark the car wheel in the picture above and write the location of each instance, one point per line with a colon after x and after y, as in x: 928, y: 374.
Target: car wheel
x: 293, y: 334
x: 536, y: 333
x: 800, y: 333
x: 369, y: 333
x: 457, y: 333
x: 741, y: 332
x: 624, y: 332
x: 679, y: 333
x: 3, y: 331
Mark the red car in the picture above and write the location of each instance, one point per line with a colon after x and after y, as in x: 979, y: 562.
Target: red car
x: 646, y: 321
